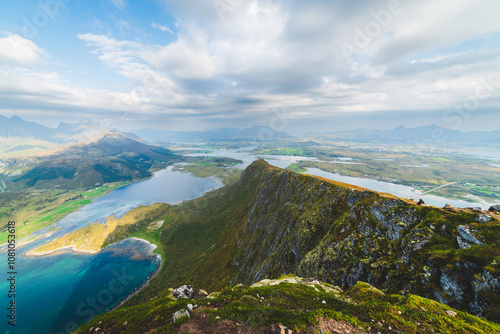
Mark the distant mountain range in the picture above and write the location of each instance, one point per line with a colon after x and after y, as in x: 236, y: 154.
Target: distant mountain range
x: 31, y: 137
x: 17, y: 127
x: 86, y: 129
x: 254, y: 133
x: 423, y: 134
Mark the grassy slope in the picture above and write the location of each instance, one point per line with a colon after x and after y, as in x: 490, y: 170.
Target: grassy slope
x: 92, y: 238
x: 298, y: 305
x: 200, y: 240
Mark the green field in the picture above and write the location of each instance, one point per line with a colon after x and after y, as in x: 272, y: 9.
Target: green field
x: 220, y: 167
x: 34, y: 210
x: 93, y: 237
x: 285, y: 151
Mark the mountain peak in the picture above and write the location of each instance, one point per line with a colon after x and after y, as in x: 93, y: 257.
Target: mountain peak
x: 113, y: 138
x: 16, y: 119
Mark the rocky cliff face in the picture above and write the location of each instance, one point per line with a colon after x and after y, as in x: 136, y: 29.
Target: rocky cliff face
x: 275, y: 222
x: 316, y: 228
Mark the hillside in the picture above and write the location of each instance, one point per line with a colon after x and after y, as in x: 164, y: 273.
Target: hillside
x: 111, y: 157
x: 275, y: 222
x: 290, y: 305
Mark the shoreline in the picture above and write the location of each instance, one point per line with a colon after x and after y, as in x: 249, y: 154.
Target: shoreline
x: 71, y: 249
x: 49, y: 233
x: 138, y: 289
x: 77, y: 250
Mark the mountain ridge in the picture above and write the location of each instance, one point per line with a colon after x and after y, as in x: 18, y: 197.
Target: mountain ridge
x: 422, y: 134
x: 254, y: 133
x: 274, y: 222
x: 109, y: 157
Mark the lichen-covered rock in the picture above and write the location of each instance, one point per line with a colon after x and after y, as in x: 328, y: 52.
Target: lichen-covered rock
x: 483, y: 218
x: 180, y: 314
x: 187, y: 291
x: 462, y: 243
x: 396, y: 222
x: 486, y: 282
x: 184, y: 291
x: 450, y: 285
x: 468, y: 234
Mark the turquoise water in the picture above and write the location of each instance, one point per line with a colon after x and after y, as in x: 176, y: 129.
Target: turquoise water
x: 56, y: 293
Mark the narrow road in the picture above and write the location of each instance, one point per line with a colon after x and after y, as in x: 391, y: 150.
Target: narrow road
x: 444, y: 185
x: 3, y: 186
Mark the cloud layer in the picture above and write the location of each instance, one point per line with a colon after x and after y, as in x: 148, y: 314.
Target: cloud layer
x: 237, y: 61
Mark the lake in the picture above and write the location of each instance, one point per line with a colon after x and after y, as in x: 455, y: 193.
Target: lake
x: 55, y: 293
x: 243, y: 154
x: 165, y: 186
x: 396, y: 189
x: 387, y: 187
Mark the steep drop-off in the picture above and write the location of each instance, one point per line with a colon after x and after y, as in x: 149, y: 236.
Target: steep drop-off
x: 275, y: 222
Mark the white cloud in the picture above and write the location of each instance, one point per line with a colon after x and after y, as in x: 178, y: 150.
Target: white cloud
x: 261, y: 54
x: 428, y: 25
x: 187, y: 58
x: 275, y: 49
x: 161, y: 27
x: 120, y: 4
x: 17, y: 50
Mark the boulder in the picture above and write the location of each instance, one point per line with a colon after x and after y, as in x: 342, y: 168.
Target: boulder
x: 467, y: 234
x: 184, y: 291
x: 494, y: 208
x: 187, y: 291
x: 179, y: 314
x: 483, y: 218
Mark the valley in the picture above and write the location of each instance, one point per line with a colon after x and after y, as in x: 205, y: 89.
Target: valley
x: 250, y: 167
x: 406, y: 165
x: 217, y: 240
x: 87, y: 199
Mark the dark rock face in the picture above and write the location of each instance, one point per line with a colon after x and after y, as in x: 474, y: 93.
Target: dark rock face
x: 302, y: 225
x: 495, y: 208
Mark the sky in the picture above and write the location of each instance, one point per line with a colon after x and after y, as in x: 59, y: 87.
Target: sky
x: 292, y: 65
